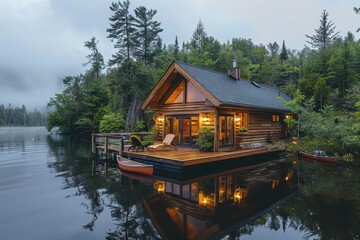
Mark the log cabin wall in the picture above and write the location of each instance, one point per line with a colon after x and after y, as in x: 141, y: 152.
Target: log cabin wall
x: 207, y: 120
x: 263, y: 127
x: 206, y: 115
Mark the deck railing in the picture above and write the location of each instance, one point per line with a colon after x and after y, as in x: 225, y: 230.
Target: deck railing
x: 112, y: 142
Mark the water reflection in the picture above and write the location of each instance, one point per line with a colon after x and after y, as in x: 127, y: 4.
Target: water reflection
x: 115, y: 195
x: 49, y: 183
x: 216, y: 205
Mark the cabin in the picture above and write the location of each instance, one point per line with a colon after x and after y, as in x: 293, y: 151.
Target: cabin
x: 240, y: 112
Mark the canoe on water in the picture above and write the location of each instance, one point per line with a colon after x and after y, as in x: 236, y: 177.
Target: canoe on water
x: 317, y: 155
x: 134, y: 167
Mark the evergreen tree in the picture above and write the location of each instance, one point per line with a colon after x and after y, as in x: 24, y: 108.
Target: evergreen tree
x: 357, y: 11
x: 121, y: 31
x: 176, y: 48
x: 273, y: 49
x: 95, y: 58
x: 147, y: 33
x: 324, y: 35
x: 283, y: 54
x: 199, y: 37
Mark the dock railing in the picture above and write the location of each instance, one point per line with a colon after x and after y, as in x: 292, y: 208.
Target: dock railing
x: 113, y: 142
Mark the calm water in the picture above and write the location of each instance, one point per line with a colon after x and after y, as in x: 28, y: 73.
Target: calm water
x: 47, y: 192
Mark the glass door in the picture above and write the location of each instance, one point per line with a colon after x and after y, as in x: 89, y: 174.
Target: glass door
x: 226, y: 131
x: 173, y: 127
x: 184, y: 128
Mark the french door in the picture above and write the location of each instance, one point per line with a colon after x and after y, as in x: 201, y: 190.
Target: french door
x: 184, y: 127
x: 226, y: 131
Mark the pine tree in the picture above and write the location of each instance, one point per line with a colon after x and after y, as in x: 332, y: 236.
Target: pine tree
x: 95, y: 58
x: 283, y: 54
x: 357, y: 11
x: 273, y: 49
x: 147, y: 32
x: 324, y: 35
x: 121, y: 31
x: 176, y: 48
x: 199, y: 36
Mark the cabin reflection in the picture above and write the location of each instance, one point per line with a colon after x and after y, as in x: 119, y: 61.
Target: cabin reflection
x: 216, y: 205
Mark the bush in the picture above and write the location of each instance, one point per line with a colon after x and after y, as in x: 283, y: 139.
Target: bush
x: 112, y: 122
x: 205, y: 138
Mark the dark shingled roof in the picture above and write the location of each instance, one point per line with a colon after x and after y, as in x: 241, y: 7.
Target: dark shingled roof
x: 238, y: 93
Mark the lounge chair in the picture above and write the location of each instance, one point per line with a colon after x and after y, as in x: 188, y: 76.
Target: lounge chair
x: 167, y: 143
x: 136, y: 144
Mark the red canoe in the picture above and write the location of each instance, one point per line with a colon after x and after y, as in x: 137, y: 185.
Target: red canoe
x: 318, y: 155
x: 133, y: 166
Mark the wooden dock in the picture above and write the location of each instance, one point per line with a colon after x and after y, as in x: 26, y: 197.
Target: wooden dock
x: 187, y: 156
x: 182, y: 157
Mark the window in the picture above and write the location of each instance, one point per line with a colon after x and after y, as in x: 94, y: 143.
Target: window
x: 177, y: 95
x: 242, y: 121
x: 192, y: 94
x: 275, y: 118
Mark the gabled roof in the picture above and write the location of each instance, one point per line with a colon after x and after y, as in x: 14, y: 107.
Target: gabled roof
x: 225, y: 90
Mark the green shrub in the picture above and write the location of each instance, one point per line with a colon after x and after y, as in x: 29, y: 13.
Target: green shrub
x: 112, y: 122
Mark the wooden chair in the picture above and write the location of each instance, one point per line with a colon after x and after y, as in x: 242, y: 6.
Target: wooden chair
x: 167, y: 143
x: 136, y: 144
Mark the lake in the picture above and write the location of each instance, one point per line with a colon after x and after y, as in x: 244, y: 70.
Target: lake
x: 48, y: 191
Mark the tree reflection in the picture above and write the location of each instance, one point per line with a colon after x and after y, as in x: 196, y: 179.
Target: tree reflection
x: 326, y: 208
x: 121, y: 195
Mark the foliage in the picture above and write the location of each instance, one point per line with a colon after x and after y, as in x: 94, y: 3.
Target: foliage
x: 243, y: 129
x: 324, y: 74
x: 112, y: 122
x: 324, y: 34
x: 139, y: 126
x: 10, y: 116
x: 205, y: 138
x: 332, y: 131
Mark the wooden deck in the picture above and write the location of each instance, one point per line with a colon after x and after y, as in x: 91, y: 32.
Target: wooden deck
x: 182, y: 157
x: 188, y: 156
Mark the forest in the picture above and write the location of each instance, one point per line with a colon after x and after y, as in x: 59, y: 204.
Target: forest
x: 10, y: 116
x: 322, y: 78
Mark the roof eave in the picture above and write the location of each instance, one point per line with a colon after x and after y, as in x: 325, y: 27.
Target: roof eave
x: 230, y: 104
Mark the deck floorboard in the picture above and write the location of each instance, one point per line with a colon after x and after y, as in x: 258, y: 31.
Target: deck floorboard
x: 188, y: 156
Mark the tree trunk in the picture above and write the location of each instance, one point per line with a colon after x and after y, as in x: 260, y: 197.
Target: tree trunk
x: 115, y: 99
x: 122, y: 100
x: 134, y: 113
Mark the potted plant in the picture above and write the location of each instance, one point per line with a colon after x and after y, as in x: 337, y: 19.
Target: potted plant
x: 243, y: 129
x: 205, y: 139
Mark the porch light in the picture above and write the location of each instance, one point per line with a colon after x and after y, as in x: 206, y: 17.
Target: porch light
x: 160, y: 119
x: 204, y: 202
x: 238, y: 195
x: 159, y: 186
x: 206, y: 118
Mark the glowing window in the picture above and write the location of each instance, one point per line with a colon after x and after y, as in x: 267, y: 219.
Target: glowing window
x: 193, y: 95
x: 275, y: 118
x: 177, y: 95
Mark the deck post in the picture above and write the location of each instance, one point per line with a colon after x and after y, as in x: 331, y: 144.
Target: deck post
x: 106, y: 145
x: 121, y: 146
x: 216, y: 130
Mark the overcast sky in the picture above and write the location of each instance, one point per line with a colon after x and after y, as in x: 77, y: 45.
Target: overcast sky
x: 42, y: 41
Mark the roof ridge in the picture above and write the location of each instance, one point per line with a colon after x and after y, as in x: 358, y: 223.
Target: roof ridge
x: 203, y: 68
x: 263, y: 85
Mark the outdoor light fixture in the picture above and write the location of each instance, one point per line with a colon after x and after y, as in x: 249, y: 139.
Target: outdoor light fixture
x: 206, y: 118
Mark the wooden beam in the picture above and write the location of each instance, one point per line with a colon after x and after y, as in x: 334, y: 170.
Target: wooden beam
x: 199, y: 87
